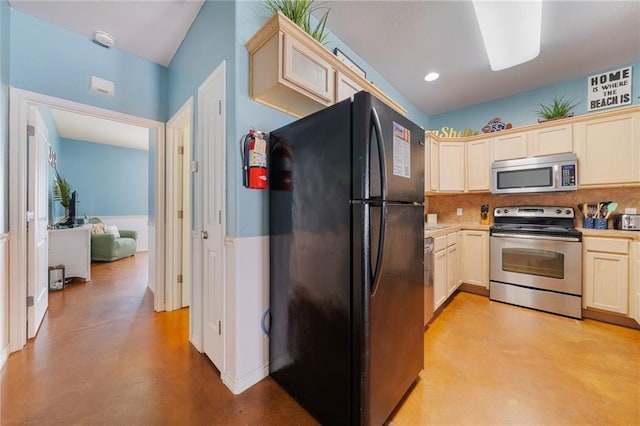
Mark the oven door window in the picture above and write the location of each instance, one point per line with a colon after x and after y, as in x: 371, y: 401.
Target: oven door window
x: 527, y: 261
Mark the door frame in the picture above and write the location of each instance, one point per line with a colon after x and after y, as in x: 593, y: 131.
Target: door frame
x: 19, y: 100
x: 183, y: 119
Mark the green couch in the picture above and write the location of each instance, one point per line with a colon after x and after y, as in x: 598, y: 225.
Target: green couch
x: 106, y: 247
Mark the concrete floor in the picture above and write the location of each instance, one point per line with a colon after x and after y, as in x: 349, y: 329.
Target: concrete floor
x: 102, y: 356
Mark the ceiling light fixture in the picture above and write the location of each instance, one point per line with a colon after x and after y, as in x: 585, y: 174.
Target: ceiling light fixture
x: 103, y: 39
x: 431, y: 76
x: 510, y: 30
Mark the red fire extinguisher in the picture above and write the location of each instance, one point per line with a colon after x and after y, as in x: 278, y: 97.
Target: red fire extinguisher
x: 254, y: 160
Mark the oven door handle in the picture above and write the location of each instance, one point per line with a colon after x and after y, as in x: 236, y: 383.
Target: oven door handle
x: 537, y: 237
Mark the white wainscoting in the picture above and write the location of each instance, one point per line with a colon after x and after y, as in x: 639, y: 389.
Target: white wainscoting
x: 132, y: 223
x: 152, y: 256
x: 247, y: 297
x: 4, y: 298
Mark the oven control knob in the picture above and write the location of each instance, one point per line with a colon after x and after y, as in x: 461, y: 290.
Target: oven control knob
x: 558, y: 211
x: 567, y: 211
x: 505, y: 211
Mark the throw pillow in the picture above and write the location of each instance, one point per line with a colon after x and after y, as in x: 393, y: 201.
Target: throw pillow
x: 97, y: 228
x: 112, y: 229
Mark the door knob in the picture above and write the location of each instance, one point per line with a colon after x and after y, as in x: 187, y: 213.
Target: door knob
x: 205, y: 235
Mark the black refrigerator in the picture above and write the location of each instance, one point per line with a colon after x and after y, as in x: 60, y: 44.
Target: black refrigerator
x: 346, y: 260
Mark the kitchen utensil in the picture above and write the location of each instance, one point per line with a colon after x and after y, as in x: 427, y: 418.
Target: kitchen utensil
x: 604, y: 207
x: 484, y: 214
x: 610, y: 209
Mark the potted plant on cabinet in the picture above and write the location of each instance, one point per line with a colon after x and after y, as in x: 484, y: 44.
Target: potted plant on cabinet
x: 62, y: 192
x: 559, y: 108
x: 299, y: 12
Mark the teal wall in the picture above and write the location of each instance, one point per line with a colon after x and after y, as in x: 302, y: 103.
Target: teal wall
x: 109, y: 180
x: 520, y: 110
x: 249, y: 207
x: 53, y: 61
x: 208, y: 42
x: 219, y: 33
x: 55, y: 208
x: 4, y: 115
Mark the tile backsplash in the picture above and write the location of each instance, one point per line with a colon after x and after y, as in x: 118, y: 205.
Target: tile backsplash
x: 445, y: 205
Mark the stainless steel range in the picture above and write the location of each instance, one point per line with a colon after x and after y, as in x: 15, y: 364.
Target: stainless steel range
x: 536, y: 259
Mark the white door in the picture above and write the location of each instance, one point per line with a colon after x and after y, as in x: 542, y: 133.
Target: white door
x: 178, y: 196
x: 211, y: 131
x: 37, y: 206
x: 185, y: 228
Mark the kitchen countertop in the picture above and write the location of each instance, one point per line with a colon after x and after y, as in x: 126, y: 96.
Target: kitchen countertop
x: 590, y: 232
x: 453, y: 227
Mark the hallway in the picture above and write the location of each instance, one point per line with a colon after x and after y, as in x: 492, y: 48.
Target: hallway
x: 103, y: 357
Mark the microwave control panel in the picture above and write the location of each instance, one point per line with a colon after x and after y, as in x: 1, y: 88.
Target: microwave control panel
x: 568, y: 175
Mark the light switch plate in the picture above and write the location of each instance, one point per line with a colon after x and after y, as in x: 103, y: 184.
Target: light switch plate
x: 459, y: 211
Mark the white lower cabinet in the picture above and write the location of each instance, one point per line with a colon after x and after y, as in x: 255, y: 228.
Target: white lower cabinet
x: 439, y: 277
x: 474, y: 257
x: 606, y: 274
x: 446, y: 267
x: 72, y: 248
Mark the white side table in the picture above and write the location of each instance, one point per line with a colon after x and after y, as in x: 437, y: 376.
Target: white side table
x: 71, y: 247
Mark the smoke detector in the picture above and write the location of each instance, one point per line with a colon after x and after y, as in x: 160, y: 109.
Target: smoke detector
x: 103, y: 39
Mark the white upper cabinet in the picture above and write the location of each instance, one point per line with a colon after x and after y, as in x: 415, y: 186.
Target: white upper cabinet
x: 511, y: 146
x: 551, y: 140
x: 452, y: 166
x: 434, y: 165
x: 608, y: 150
x: 292, y: 72
x: 478, y: 165
x: 346, y: 88
x: 307, y: 70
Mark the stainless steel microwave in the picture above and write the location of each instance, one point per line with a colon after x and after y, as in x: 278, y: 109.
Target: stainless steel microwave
x: 536, y: 174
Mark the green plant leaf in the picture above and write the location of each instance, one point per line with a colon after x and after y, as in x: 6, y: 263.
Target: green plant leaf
x: 299, y: 12
x: 61, y: 190
x: 559, y: 107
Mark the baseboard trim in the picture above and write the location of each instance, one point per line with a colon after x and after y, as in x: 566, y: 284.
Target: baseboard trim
x: 475, y: 289
x: 245, y: 382
x: 610, y: 318
x: 195, y: 342
x: 4, y: 355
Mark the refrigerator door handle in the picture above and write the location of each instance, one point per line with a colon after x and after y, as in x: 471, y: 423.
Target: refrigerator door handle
x: 381, y: 157
x: 375, y: 280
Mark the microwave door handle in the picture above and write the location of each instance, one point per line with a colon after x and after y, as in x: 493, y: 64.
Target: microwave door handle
x: 556, y: 176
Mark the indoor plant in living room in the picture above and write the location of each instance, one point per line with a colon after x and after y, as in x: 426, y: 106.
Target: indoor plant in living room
x: 62, y: 192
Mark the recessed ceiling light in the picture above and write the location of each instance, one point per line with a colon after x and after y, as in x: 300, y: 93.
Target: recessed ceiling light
x: 431, y: 76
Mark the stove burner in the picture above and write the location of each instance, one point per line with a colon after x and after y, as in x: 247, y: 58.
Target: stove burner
x: 548, y: 221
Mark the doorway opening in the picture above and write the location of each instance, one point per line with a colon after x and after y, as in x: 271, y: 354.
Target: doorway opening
x: 21, y: 263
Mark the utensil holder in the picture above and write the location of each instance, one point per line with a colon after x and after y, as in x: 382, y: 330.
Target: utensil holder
x: 600, y: 223
x: 587, y: 222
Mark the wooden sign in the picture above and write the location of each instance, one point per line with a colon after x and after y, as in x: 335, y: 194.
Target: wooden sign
x: 609, y: 89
